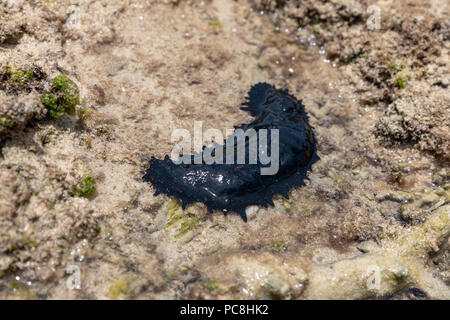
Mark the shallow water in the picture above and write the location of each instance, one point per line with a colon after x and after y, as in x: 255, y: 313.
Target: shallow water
x: 163, y: 67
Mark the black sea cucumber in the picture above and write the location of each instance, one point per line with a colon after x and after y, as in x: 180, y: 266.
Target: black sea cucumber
x: 233, y: 187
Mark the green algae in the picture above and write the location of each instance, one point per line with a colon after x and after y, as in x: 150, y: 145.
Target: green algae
x: 118, y: 287
x: 174, y: 219
x: 20, y: 76
x: 6, y: 122
x: 278, y: 246
x: 215, y: 23
x: 287, y: 203
x: 86, y: 187
x: 50, y: 101
x: 211, y: 285
x: 401, y: 82
x: 187, y: 221
x: 189, y: 224
x: 63, y: 98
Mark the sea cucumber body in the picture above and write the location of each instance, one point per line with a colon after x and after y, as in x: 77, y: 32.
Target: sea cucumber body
x: 233, y: 187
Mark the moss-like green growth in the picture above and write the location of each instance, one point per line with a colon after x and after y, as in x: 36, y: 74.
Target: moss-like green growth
x: 370, y: 196
x: 393, y: 66
x: 50, y: 101
x: 190, y: 224
x: 211, y: 285
x: 278, y: 246
x: 398, y: 275
x: 6, y: 122
x: 400, y: 82
x: 338, y: 180
x: 173, y: 206
x: 23, y: 291
x: 174, y: 219
x: 287, y: 203
x: 96, y: 227
x: 20, y: 76
x: 187, y: 221
x: 118, y: 287
x: 63, y: 98
x: 309, y: 197
x: 62, y: 82
x: 28, y: 241
x: 86, y: 187
x: 215, y: 23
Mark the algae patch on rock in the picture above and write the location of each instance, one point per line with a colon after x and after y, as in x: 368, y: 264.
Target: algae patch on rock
x: 63, y: 98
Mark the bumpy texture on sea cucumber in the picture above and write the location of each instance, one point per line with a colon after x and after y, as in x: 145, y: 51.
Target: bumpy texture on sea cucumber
x: 233, y: 187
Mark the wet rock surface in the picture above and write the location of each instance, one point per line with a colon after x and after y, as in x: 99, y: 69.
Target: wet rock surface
x: 373, y: 221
